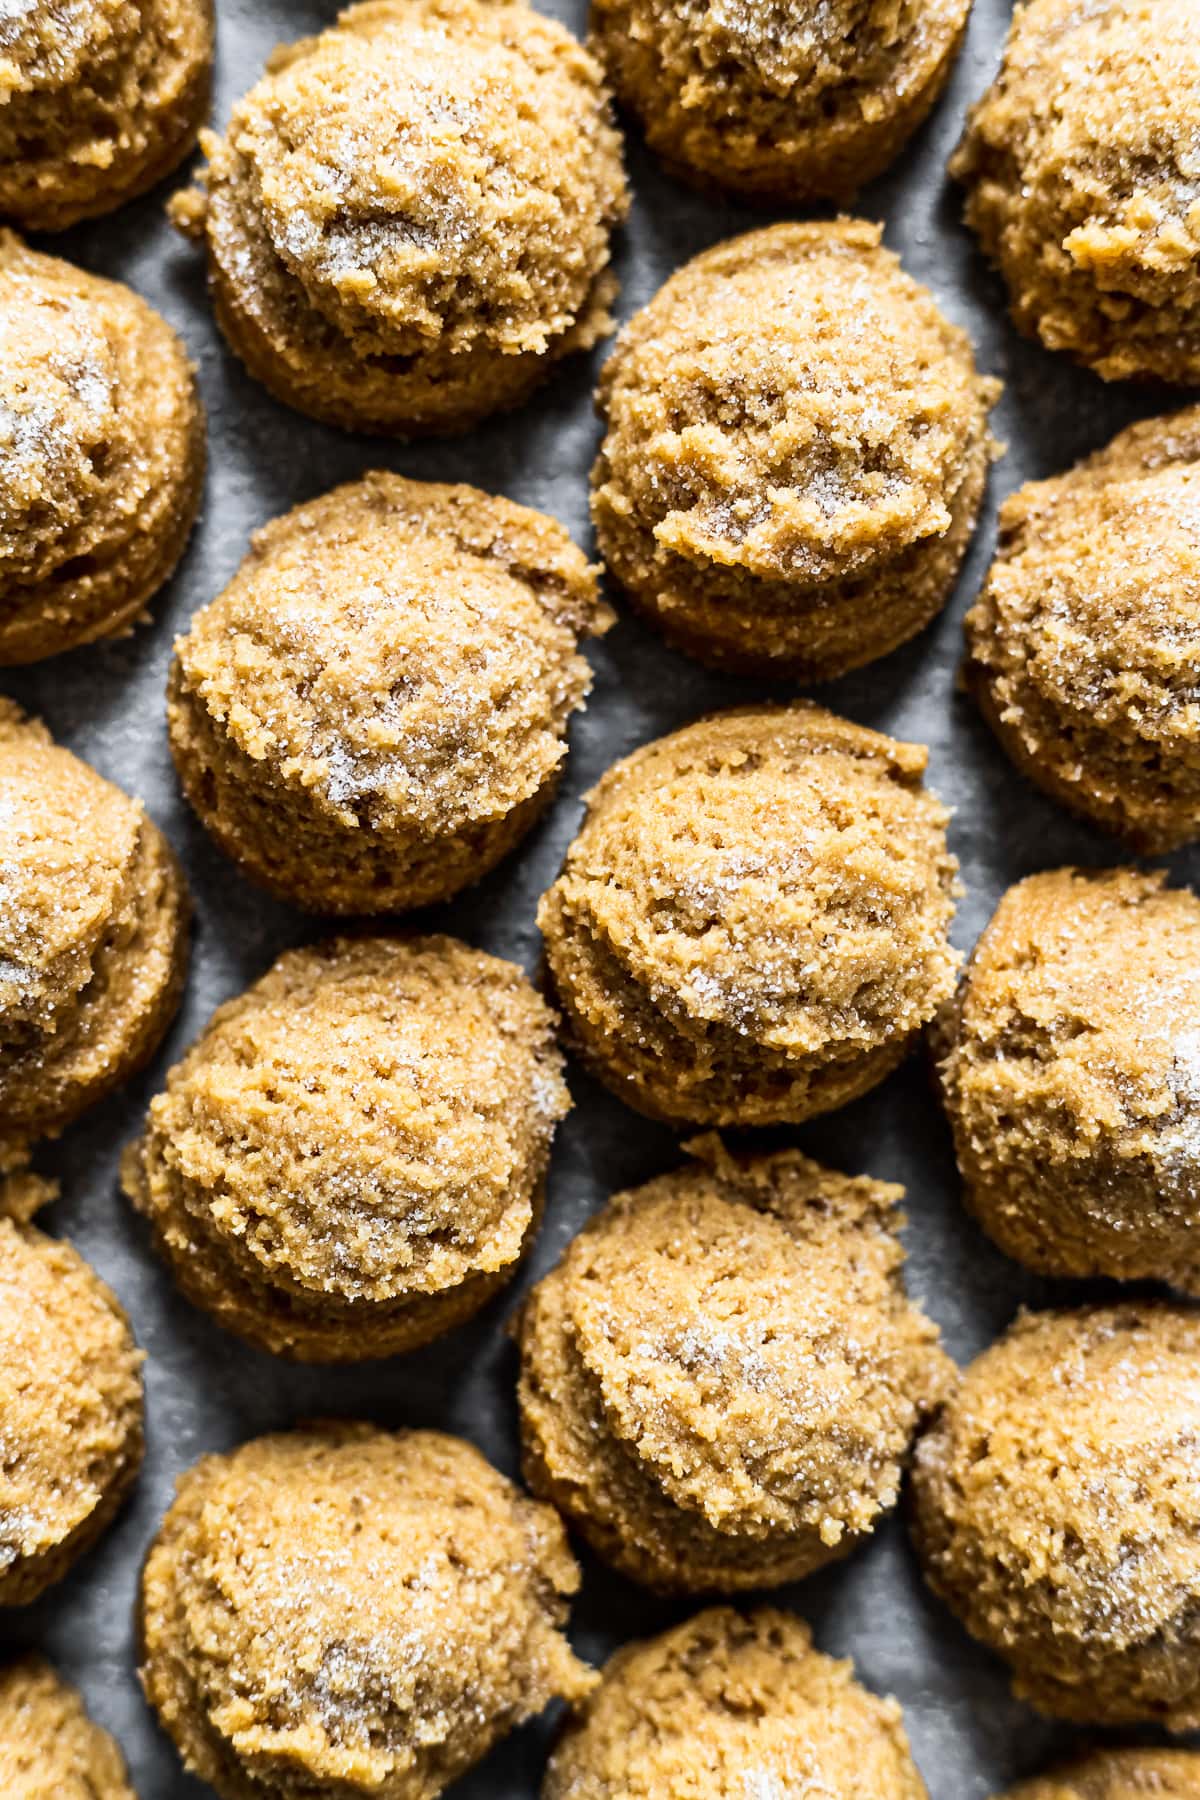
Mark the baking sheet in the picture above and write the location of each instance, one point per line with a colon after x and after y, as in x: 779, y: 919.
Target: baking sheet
x: 205, y: 1391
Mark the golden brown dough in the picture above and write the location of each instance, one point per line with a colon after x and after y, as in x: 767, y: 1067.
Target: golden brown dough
x: 1057, y: 1511
x: 99, y: 99
x: 726, y: 1707
x: 70, y: 1410
x: 49, y: 1748
x: 101, y: 454
x: 750, y: 927
x: 375, y: 710
x: 350, y: 1159
x: 1083, y: 647
x: 93, y: 936
x: 408, y: 218
x: 775, y: 101
x: 1142, y: 1774
x: 1081, y: 176
x: 342, y: 1610
x: 795, y: 450
x: 1070, y: 1070
x: 721, y: 1378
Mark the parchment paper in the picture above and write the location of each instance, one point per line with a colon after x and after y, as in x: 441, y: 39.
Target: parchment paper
x: 204, y: 1390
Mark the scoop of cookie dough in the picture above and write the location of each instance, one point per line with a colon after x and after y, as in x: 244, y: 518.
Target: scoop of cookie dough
x: 375, y: 710
x: 795, y: 451
x: 408, y: 218
x: 70, y: 1407
x: 101, y: 453
x: 720, y: 1381
x: 1083, y: 182
x: 751, y: 926
x: 93, y: 936
x: 99, y: 99
x: 1141, y: 1774
x: 1083, y: 646
x: 1057, y: 1511
x: 724, y: 1707
x: 350, y: 1159
x: 344, y: 1610
x: 1070, y: 1070
x: 775, y: 101
x: 49, y: 1748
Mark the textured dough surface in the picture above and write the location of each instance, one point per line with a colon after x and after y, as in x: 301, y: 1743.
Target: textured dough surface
x: 1082, y: 647
x: 1070, y: 1072
x: 778, y: 101
x: 375, y: 710
x: 93, y: 935
x: 352, y: 1612
x: 724, y: 1707
x: 99, y: 99
x: 1057, y: 1511
x: 1083, y: 182
x: 101, y: 453
x: 408, y: 218
x: 49, y: 1748
x: 751, y: 925
x: 720, y: 1380
x: 350, y: 1158
x: 795, y: 449
x: 70, y: 1409
x: 1147, y: 1774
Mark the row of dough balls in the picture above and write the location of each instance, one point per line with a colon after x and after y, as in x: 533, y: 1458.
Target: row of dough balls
x: 344, y: 1606
x: 366, y: 274
x: 750, y: 928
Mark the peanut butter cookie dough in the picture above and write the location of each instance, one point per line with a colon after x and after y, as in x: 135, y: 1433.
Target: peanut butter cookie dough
x: 1070, y: 1070
x: 724, y: 1707
x: 1083, y: 182
x: 1057, y: 1511
x: 408, y: 218
x: 344, y: 1610
x: 750, y: 927
x: 350, y: 1159
x: 779, y: 102
x: 49, y: 1748
x: 99, y: 99
x: 375, y: 710
x: 101, y: 453
x: 70, y: 1402
x: 1083, y: 648
x: 795, y: 450
x: 1142, y: 1774
x: 720, y: 1381
x: 93, y: 936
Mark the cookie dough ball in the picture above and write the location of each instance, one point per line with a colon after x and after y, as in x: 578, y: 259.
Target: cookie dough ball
x: 49, y: 1748
x: 1071, y: 1075
x: 71, y: 1406
x: 721, y: 1379
x: 408, y: 219
x: 345, y: 1610
x: 751, y: 926
x: 93, y: 936
x: 375, y: 710
x: 350, y: 1159
x: 779, y: 102
x: 725, y: 1707
x: 1083, y: 648
x: 101, y: 452
x: 795, y: 451
x: 1057, y: 1511
x: 99, y: 99
x: 1142, y: 1774
x: 1081, y: 173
